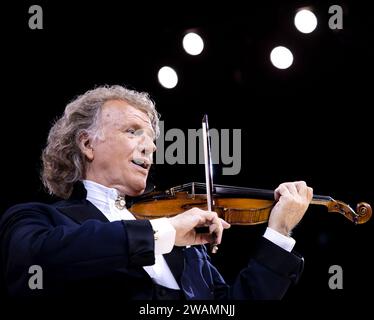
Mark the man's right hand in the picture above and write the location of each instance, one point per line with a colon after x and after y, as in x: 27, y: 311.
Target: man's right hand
x: 186, y: 222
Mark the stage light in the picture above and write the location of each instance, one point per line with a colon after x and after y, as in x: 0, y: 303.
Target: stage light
x: 193, y: 44
x: 167, y: 77
x: 281, y: 57
x: 305, y: 21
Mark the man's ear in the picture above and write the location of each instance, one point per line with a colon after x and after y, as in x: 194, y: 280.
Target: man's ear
x: 85, y: 144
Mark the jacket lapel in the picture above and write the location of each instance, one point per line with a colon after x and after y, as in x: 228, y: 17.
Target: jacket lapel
x: 83, y: 210
x: 79, y: 209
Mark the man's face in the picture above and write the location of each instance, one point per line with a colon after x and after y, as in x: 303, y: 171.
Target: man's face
x: 122, y: 160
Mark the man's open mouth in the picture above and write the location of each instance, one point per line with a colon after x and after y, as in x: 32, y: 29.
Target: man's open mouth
x: 141, y: 163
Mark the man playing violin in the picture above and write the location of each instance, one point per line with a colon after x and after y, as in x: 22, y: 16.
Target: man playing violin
x: 97, y: 153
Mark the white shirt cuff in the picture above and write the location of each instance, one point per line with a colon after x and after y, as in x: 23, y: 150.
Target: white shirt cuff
x: 164, y: 234
x: 286, y: 243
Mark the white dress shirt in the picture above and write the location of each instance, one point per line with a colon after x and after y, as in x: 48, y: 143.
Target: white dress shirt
x: 104, y: 199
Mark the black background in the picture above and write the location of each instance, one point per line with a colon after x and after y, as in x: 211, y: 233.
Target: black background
x: 311, y: 122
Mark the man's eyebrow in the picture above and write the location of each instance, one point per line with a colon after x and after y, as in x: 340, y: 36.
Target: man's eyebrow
x: 140, y: 126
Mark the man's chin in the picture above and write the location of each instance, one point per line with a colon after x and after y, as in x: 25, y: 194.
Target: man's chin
x: 135, y: 193
x: 137, y: 189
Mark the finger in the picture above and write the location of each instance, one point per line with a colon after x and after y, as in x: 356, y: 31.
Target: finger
x: 300, y: 185
x: 202, y: 238
x: 302, y: 188
x: 215, y: 224
x: 215, y: 235
x: 280, y: 191
x: 225, y: 224
x: 292, y: 188
x: 212, y: 239
x: 210, y: 216
x: 310, y: 193
x: 204, y: 217
x: 216, y: 230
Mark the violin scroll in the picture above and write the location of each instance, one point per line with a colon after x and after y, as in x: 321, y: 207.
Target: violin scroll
x: 364, y: 211
x: 361, y: 215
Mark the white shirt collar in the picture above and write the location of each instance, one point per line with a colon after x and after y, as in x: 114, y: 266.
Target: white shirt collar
x: 99, y: 192
x: 104, y: 199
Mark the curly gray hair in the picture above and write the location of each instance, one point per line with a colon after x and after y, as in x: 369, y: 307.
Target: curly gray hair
x: 63, y: 161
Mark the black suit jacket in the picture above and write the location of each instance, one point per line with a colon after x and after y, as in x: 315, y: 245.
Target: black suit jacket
x: 82, y: 253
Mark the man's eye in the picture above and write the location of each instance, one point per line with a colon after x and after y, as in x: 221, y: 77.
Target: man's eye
x: 134, y: 132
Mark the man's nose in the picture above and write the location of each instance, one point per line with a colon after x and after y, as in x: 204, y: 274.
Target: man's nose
x: 148, y: 145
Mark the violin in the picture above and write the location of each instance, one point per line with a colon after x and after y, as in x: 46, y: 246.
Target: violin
x: 236, y: 205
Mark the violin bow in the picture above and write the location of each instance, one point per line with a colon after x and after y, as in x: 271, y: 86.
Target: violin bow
x: 208, y: 170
